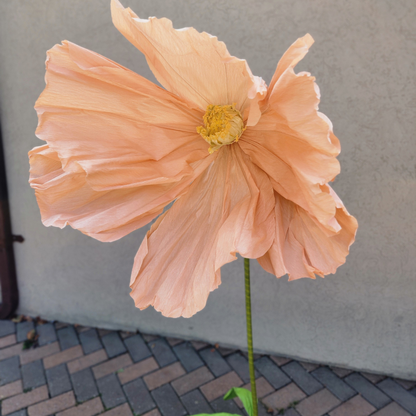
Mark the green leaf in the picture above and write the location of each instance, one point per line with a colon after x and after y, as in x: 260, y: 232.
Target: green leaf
x: 27, y: 344
x: 216, y: 414
x: 244, y: 395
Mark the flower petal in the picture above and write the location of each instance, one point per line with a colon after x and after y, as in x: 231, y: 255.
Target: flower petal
x: 192, y: 65
x: 67, y: 198
x: 116, y: 126
x: 291, y: 57
x: 228, y: 209
x: 294, y: 143
x: 302, y: 246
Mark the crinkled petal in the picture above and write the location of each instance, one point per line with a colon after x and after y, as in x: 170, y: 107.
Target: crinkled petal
x: 291, y: 57
x: 302, y: 246
x: 65, y: 197
x: 192, y: 65
x: 228, y: 209
x: 294, y: 143
x: 120, y: 129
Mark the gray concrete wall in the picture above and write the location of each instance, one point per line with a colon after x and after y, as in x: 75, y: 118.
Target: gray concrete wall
x: 364, y: 317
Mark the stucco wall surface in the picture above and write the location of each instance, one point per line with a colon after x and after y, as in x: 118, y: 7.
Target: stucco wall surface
x: 364, y: 317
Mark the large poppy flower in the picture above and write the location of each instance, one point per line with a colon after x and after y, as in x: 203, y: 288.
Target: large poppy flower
x: 247, y: 165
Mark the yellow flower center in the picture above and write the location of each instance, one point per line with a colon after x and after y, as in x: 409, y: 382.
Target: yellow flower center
x: 223, y: 125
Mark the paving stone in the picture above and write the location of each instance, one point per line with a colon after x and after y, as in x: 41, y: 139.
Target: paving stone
x: 8, y: 343
x: 393, y: 409
x: 371, y: 393
x: 302, y: 378
x: 67, y: 337
x: 112, y: 366
x: 309, y: 366
x: 58, y: 380
x: 333, y: 383
x: 10, y: 351
x: 59, y: 325
x: 280, y: 360
x: 215, y: 361
x: 162, y: 352
x: 318, y: 404
x: 123, y: 410
x: 138, y: 349
x: 371, y: 399
x: 9, y: 370
x: 198, y: 345
x: 240, y: 365
x: 7, y: 340
x: 22, y: 328
x: 164, y: 375
x: 226, y: 351
x: 46, y: 334
x: 84, y: 385
x: 87, y: 361
x: 407, y: 384
x: 227, y: 406
x: 139, y: 397
x: 33, y: 375
x: 149, y: 337
x: 273, y: 374
x: 195, y: 403
x: 192, y: 380
x: 62, y: 357
x: 90, y: 341
x: 341, y: 372
x: 102, y: 332
x: 168, y: 402
x: 137, y: 370
x: 112, y: 394
x: 8, y: 346
x: 6, y: 327
x: 22, y: 412
x: 28, y: 356
x: 89, y: 408
x: 282, y: 398
x: 291, y: 412
x: 399, y: 395
x: 356, y: 406
x: 255, y: 356
x: 263, y: 387
x: 154, y: 412
x: 81, y: 328
x: 188, y: 356
x: 126, y: 334
x: 113, y: 344
x: 11, y: 389
x: 374, y: 378
x: 218, y: 387
x: 24, y: 400
x: 173, y: 341
x: 52, y: 406
x: 262, y: 410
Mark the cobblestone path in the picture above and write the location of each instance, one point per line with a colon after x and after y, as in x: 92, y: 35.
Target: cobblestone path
x: 78, y: 371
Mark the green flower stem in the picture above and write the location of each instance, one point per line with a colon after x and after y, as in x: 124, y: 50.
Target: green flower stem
x: 250, y: 336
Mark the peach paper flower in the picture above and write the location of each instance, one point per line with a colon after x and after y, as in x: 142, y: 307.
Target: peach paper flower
x: 247, y: 165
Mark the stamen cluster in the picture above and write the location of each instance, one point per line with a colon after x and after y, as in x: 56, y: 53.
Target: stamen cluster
x: 223, y: 125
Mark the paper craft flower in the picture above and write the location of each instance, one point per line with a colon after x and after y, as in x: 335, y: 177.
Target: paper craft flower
x: 247, y: 165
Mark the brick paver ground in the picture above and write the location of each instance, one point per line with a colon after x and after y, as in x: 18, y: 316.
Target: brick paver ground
x: 79, y: 371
